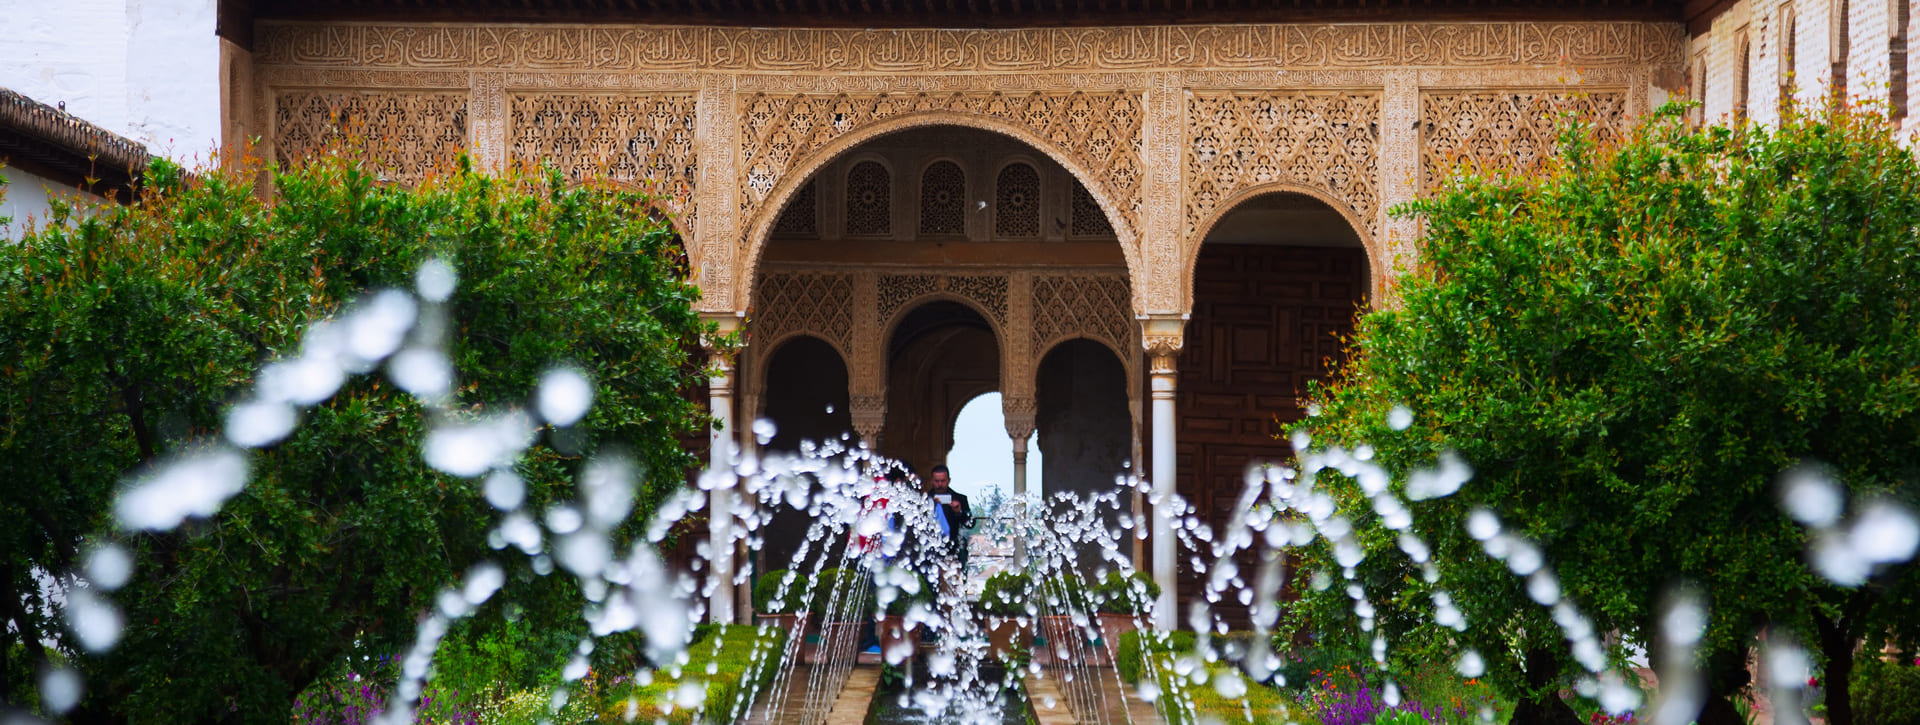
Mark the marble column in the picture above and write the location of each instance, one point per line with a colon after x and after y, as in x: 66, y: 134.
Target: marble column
x: 1162, y: 336
x: 1019, y: 414
x: 720, y: 450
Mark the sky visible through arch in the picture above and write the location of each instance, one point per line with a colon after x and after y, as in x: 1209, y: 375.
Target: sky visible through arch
x: 982, y: 455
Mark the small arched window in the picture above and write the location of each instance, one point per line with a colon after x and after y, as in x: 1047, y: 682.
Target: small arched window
x: 869, y: 200
x: 943, y: 199
x: 1016, y: 208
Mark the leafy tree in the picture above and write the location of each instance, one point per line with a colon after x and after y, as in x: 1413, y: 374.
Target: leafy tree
x: 126, y: 332
x: 1630, y: 349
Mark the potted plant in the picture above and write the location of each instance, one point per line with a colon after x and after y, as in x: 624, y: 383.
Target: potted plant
x: 837, y: 594
x: 1123, y: 602
x: 898, y: 637
x: 1064, y: 611
x: 781, y: 600
x: 1006, y: 600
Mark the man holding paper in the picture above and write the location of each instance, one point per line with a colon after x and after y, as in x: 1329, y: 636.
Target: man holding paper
x: 954, y: 510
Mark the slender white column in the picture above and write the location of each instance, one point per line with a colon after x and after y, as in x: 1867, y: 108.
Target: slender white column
x: 1162, y: 335
x: 1164, y: 547
x: 1020, y: 497
x: 1018, y: 410
x: 720, y: 507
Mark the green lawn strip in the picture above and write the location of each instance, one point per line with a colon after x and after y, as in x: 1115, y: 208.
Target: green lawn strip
x: 726, y: 667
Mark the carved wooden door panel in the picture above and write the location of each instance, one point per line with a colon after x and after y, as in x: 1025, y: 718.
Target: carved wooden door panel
x: 1266, y: 319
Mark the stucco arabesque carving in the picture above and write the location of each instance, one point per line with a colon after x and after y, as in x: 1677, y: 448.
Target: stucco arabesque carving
x: 740, y: 62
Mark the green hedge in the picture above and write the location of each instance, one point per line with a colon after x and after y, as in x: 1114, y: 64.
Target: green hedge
x: 1885, y: 693
x: 795, y: 599
x: 1006, y: 594
x: 732, y: 662
x: 1120, y: 594
x: 1128, y: 653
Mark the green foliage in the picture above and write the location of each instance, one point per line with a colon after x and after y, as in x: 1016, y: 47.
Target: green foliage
x: 1399, y: 717
x: 1190, y: 699
x: 1007, y: 594
x: 730, y: 663
x: 773, y: 594
x: 125, y: 332
x: 1629, y: 349
x: 842, y: 587
x: 1064, y: 593
x: 1119, y: 594
x: 1129, y: 653
x: 1886, y: 693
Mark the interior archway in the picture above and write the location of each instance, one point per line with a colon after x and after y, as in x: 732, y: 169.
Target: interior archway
x: 1278, y: 283
x: 1085, y: 432
x: 940, y: 355
x: 806, y: 400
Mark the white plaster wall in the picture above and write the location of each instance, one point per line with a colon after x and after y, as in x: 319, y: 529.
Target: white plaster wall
x: 148, y: 70
x: 25, y: 200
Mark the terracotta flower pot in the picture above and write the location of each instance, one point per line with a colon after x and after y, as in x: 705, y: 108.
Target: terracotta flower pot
x: 898, y: 640
x: 1006, y: 635
x: 1112, y: 625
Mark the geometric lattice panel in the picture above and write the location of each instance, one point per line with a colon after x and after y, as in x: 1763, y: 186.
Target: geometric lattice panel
x: 1098, y: 131
x: 407, y: 134
x: 1099, y: 306
x: 1506, y: 130
x: 618, y: 136
x: 1325, y: 140
x: 817, y: 303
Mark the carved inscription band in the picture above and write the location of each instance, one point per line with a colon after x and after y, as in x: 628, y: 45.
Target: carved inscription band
x: 779, y: 50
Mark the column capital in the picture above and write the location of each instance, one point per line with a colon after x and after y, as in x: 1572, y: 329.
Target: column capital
x: 869, y: 413
x: 1020, y: 412
x: 1163, y: 334
x: 722, y: 343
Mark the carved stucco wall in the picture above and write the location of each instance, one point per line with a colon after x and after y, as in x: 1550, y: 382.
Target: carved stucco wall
x: 1166, y: 127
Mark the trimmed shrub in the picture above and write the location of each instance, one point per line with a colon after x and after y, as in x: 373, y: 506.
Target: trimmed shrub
x: 1006, y: 594
x: 842, y: 587
x: 1885, y: 693
x: 1119, y: 594
x: 770, y: 598
x: 1133, y: 646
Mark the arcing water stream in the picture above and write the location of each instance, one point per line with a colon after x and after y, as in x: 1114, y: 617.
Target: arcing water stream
x: 881, y: 530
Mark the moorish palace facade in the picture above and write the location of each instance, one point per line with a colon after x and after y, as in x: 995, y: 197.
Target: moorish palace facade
x: 1143, y: 222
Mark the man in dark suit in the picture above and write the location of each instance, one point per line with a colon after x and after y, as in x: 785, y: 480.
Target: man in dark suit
x: 954, y: 508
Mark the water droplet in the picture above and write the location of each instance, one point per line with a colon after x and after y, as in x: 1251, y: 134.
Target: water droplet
x: 1884, y: 533
x: 1399, y: 418
x: 1544, y: 588
x: 259, y: 423
x: 192, y: 484
x: 436, y: 280
x: 470, y: 449
x: 60, y: 690
x: 376, y: 327
x: 1482, y: 524
x: 422, y: 372
x: 505, y: 490
x: 764, y: 430
x: 1390, y: 694
x: 483, y: 580
x: 1787, y: 665
x: 564, y: 395
x: 109, y: 567
x: 305, y: 380
x: 94, y: 619
x: 1470, y: 664
x: 1811, y: 496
